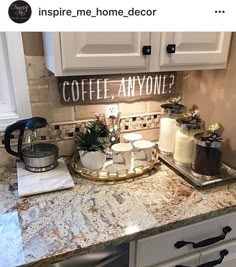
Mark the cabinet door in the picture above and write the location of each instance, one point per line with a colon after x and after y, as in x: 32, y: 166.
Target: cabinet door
x: 160, y: 248
x: 104, y: 50
x: 195, y: 48
x: 190, y: 261
x: 214, y: 254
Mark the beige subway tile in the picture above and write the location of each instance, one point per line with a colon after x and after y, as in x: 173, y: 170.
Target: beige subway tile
x: 88, y: 111
x: 133, y: 108
x: 66, y: 147
x: 152, y: 134
x: 39, y: 91
x: 36, y: 68
x: 6, y: 159
x: 154, y: 106
x: 54, y: 92
x: 42, y: 110
x: 61, y: 114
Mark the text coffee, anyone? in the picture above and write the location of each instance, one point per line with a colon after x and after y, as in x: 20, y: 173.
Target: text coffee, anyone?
x: 94, y: 89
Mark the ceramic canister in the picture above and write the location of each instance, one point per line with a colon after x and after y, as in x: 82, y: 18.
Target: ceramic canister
x: 168, y: 128
x: 206, y: 156
x: 184, y: 140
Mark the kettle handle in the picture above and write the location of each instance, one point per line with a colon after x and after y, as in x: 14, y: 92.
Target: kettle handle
x: 19, y: 125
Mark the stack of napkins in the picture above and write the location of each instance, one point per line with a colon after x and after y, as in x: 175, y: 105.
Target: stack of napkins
x: 31, y: 183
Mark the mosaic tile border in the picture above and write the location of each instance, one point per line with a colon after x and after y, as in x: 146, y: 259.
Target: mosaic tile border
x: 64, y: 131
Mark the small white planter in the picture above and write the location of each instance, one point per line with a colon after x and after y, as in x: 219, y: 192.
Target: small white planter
x: 93, y: 160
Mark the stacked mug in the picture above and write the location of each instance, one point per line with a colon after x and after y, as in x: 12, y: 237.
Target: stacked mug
x: 133, y: 147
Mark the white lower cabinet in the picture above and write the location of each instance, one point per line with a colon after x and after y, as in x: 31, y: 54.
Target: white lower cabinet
x: 190, y: 261
x: 189, y: 246
x: 217, y: 252
x: 221, y: 255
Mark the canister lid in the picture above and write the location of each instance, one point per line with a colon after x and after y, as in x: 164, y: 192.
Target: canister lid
x: 190, y: 123
x: 173, y: 108
x: 210, y: 138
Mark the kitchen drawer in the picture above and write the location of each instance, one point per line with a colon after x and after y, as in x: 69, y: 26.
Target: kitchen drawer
x: 215, y: 253
x: 191, y: 261
x: 160, y: 248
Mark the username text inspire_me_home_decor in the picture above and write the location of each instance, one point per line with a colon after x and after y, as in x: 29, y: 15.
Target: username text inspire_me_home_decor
x: 98, y: 89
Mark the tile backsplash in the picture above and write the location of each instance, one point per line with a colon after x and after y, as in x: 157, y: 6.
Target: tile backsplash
x: 64, y: 131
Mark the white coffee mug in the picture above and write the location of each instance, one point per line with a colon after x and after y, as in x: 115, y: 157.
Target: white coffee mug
x: 121, y: 154
x: 132, y: 137
x: 143, y: 150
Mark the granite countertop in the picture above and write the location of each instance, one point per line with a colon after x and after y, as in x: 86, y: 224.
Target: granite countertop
x: 91, y: 216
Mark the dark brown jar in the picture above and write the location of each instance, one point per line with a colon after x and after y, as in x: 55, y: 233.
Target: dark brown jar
x: 206, y: 156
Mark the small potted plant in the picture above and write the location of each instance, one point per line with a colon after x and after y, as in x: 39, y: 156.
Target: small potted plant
x: 92, y: 140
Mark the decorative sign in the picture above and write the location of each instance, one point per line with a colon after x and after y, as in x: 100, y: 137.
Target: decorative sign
x: 116, y: 88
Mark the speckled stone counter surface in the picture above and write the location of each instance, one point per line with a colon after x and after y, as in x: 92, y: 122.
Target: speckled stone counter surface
x: 91, y: 216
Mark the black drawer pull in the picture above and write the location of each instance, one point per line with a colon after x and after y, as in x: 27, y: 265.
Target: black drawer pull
x: 223, y: 253
x: 206, y: 242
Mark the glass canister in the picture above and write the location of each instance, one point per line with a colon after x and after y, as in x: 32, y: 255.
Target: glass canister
x: 207, y: 154
x: 187, y: 127
x: 172, y: 111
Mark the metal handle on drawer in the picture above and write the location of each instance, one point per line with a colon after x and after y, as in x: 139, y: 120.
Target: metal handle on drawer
x: 223, y: 253
x: 205, y: 242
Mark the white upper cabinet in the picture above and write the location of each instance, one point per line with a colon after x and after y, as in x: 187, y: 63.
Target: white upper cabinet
x: 190, y: 49
x: 81, y: 53
x: 96, y: 50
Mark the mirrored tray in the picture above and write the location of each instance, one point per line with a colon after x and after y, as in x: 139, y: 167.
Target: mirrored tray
x: 115, y: 172
x: 199, y: 180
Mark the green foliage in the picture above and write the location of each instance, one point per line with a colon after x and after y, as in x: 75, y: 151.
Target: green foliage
x: 94, y: 137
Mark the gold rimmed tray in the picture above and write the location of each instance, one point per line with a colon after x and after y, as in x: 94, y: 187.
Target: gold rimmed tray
x: 115, y: 172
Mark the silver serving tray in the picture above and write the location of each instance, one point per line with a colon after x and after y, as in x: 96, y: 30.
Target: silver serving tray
x: 227, y: 173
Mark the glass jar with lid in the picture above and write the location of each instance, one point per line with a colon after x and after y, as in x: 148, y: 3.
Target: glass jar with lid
x: 207, y: 153
x: 187, y: 127
x: 171, y: 112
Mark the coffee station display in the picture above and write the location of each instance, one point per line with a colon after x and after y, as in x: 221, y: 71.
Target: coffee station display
x: 192, y: 150
x: 184, y: 144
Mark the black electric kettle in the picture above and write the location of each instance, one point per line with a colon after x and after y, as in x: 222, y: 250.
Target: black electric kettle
x: 37, y: 156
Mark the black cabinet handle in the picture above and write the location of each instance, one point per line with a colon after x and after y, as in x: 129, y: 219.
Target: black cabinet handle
x: 206, y: 242
x: 147, y: 50
x: 171, y: 48
x: 223, y: 253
